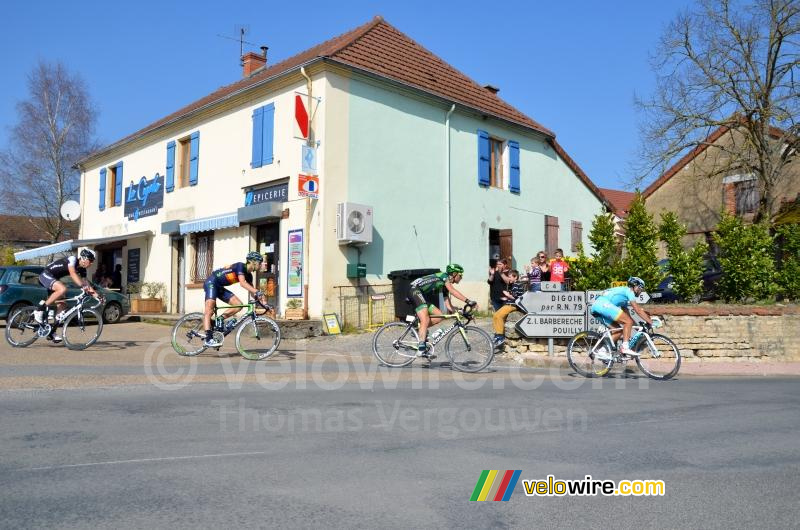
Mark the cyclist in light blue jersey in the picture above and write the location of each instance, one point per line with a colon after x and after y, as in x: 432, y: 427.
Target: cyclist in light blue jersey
x: 610, y: 307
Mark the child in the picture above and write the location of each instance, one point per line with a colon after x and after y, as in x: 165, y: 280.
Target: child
x: 538, y: 271
x: 559, y: 268
x: 513, y: 291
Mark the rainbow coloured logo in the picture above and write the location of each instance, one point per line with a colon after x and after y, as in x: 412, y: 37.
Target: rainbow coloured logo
x: 496, y: 485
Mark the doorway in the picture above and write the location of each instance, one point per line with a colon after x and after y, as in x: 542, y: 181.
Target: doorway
x: 501, y: 245
x: 268, y: 245
x: 178, y: 275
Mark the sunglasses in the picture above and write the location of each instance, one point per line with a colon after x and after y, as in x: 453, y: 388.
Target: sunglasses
x: 540, y: 257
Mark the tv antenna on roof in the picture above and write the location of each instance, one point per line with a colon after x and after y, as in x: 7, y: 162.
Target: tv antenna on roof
x: 240, y: 30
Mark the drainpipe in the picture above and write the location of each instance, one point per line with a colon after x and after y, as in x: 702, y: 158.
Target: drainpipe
x: 307, y: 242
x: 447, y: 183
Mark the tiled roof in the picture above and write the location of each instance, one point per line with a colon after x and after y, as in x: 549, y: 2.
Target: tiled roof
x: 20, y: 228
x: 376, y: 47
x: 620, y: 200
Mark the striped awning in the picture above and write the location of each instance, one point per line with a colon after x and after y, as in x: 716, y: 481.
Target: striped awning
x: 47, y: 250
x: 227, y: 220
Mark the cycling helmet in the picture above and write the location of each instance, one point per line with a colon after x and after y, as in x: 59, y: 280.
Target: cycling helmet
x: 455, y: 268
x: 88, y: 254
x: 635, y: 281
x: 255, y: 256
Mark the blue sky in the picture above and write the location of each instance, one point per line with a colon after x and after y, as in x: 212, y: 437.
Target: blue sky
x: 572, y: 66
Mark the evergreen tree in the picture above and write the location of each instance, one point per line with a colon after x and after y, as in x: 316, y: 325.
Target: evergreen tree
x: 598, y: 270
x: 686, y: 267
x: 746, y: 257
x: 641, y: 245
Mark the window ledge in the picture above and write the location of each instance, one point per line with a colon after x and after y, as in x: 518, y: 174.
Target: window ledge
x: 194, y: 285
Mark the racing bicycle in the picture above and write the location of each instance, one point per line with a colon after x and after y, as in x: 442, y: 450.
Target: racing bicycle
x: 257, y: 336
x: 469, y: 348
x: 659, y: 358
x: 82, y: 324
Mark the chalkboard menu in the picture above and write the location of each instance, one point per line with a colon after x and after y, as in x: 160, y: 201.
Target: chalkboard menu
x: 133, y: 265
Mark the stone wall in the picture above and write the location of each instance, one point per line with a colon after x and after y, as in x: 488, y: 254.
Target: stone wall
x: 707, y: 333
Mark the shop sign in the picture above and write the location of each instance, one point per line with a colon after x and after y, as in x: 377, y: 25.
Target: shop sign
x: 144, y: 198
x: 308, y: 186
x: 278, y: 193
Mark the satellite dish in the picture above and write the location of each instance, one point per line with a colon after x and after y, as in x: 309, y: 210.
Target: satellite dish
x: 70, y: 210
x: 355, y: 223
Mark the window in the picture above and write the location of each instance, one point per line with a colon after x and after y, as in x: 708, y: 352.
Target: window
x: 203, y: 262
x: 114, y: 185
x: 184, y: 155
x: 550, y: 234
x: 577, y: 235
x: 29, y: 278
x: 263, y: 135
x: 746, y: 197
x: 496, y: 163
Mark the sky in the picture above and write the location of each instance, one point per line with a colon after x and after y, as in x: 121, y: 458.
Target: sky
x: 572, y: 66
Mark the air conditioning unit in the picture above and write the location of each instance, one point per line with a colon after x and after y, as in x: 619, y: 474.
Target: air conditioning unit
x: 353, y: 223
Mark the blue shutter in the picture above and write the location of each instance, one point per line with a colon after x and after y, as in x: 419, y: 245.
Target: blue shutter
x: 118, y: 185
x: 258, y: 135
x: 269, y: 134
x: 513, y: 159
x: 170, y: 166
x: 102, y: 189
x: 195, y: 156
x: 483, y: 158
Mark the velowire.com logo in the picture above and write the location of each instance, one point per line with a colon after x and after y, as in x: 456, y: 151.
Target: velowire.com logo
x: 496, y: 485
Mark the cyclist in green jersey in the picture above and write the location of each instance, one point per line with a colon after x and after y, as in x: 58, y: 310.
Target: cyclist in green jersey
x: 424, y: 294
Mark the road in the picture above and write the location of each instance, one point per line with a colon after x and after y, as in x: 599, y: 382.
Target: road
x: 323, y: 437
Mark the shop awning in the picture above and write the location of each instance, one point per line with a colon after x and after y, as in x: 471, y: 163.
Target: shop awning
x: 258, y: 212
x: 66, y: 246
x: 227, y: 220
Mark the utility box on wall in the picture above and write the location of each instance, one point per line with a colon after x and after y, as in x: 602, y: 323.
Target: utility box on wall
x: 356, y: 270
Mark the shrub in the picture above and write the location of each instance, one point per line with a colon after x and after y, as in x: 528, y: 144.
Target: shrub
x: 788, y: 274
x: 154, y: 289
x: 746, y: 257
x: 641, y: 245
x: 686, y: 267
x: 602, y: 267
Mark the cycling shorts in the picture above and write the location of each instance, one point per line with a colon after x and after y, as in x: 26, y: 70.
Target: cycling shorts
x: 47, y: 281
x: 214, y: 291
x: 420, y: 300
x: 605, y: 309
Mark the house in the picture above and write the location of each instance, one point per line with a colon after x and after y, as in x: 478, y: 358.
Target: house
x: 366, y: 149
x: 701, y: 185
x: 20, y: 233
x: 620, y: 202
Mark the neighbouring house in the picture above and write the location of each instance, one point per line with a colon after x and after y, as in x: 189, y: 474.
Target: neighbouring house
x: 700, y: 186
x: 366, y: 149
x: 620, y: 202
x: 20, y: 233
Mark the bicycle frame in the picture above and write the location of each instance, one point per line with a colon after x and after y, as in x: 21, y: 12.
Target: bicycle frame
x: 461, y: 320
x: 606, y: 338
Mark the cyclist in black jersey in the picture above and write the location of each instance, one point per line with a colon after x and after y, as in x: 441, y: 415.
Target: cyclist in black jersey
x: 214, y: 287
x: 424, y: 293
x: 75, y: 268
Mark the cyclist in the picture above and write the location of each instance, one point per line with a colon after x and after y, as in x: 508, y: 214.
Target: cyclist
x: 609, y: 307
x: 50, y: 279
x: 424, y: 293
x: 215, y: 284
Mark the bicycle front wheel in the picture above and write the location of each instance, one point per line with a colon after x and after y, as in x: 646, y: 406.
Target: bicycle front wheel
x: 469, y: 349
x: 660, y: 360
x: 82, y: 329
x: 21, y: 327
x: 258, y: 338
x: 188, y: 335
x: 395, y: 344
x: 581, y: 358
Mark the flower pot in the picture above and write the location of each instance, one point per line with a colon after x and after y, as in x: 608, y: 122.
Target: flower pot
x: 146, y: 305
x: 296, y: 313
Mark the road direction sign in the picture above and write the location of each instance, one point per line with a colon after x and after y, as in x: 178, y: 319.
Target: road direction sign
x: 554, y: 303
x: 550, y: 325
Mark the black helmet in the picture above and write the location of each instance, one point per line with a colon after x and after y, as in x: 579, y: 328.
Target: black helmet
x: 88, y: 254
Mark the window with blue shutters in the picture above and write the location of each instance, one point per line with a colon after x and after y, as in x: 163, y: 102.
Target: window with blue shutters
x: 194, y: 158
x: 484, y: 156
x: 513, y: 165
x: 170, y: 185
x: 263, y: 135
x: 118, y: 184
x: 102, y: 189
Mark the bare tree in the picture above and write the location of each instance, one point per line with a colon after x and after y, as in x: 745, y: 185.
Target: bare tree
x: 729, y: 66
x: 55, y: 129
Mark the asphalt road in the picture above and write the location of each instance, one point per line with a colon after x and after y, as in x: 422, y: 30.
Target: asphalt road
x: 403, y: 454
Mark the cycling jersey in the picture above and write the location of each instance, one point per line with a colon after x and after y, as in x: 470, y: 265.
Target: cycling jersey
x: 59, y: 268
x: 215, y: 284
x: 424, y: 292
x: 609, y: 305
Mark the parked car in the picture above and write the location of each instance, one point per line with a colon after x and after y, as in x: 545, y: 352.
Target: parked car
x: 19, y: 286
x: 712, y: 271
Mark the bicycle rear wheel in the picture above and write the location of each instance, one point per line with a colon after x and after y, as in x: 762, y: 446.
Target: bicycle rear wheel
x: 82, y: 329
x: 21, y: 327
x: 258, y: 338
x: 395, y: 344
x: 188, y: 335
x: 581, y: 358
x: 469, y: 349
x: 661, y: 360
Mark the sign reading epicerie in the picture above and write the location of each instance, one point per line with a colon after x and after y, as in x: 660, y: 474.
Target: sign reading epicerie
x: 145, y: 198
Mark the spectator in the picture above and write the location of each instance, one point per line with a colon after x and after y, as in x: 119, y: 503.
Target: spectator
x: 99, y: 274
x: 559, y: 268
x: 497, y: 283
x: 116, y: 277
x: 536, y: 271
x: 513, y: 290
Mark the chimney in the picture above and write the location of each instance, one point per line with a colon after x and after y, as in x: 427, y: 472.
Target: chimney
x: 491, y: 88
x: 252, y: 62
